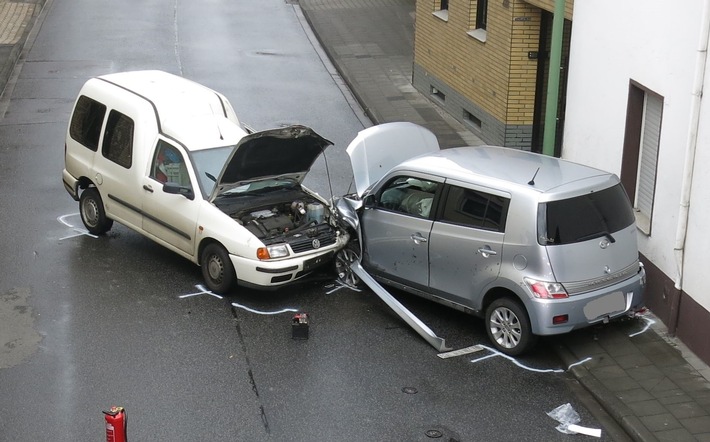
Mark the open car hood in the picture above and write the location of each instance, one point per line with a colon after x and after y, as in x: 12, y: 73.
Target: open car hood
x: 284, y: 152
x: 377, y: 149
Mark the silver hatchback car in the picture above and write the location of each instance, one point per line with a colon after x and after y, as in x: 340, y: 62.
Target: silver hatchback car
x: 533, y: 244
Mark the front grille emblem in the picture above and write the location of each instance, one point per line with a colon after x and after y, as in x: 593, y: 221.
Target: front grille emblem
x: 316, y: 243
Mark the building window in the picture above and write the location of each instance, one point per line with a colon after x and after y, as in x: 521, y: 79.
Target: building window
x: 481, y: 14
x: 478, y: 19
x: 641, y: 145
x: 441, y: 9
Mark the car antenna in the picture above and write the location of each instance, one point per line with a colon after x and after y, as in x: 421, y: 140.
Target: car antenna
x: 532, y: 181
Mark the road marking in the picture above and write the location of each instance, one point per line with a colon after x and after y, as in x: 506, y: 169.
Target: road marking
x: 340, y: 285
x: 649, y: 323
x: 264, y: 313
x: 79, y: 232
x: 202, y: 291
x: 460, y: 352
x: 514, y: 361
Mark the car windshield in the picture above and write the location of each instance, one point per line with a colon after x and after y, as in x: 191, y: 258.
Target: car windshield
x: 208, y: 164
x: 594, y: 215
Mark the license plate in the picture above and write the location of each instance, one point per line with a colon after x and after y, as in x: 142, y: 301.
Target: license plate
x: 606, y: 305
x: 317, y: 261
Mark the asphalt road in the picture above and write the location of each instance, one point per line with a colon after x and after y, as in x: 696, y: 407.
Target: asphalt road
x: 91, y: 322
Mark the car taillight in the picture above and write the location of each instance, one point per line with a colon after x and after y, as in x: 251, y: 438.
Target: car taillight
x: 546, y: 290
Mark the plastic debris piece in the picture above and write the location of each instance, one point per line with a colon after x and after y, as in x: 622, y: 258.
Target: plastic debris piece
x: 566, y: 416
x: 595, y: 432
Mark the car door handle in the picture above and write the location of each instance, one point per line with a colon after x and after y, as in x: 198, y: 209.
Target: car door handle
x: 486, y: 252
x: 148, y: 188
x: 418, y: 238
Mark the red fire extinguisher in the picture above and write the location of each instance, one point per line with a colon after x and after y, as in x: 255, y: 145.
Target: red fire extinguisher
x: 116, y: 423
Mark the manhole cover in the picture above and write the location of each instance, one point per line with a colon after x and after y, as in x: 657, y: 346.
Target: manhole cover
x: 433, y: 434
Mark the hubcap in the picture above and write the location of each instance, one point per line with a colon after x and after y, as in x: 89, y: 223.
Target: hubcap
x: 91, y: 212
x: 505, y: 327
x: 215, y: 268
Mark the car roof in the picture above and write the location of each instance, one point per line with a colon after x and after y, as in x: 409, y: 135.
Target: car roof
x: 188, y: 111
x: 511, y: 169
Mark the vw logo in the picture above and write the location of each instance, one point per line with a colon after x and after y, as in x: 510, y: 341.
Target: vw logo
x: 316, y: 243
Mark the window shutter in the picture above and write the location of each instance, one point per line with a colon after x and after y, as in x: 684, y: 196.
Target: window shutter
x: 648, y: 161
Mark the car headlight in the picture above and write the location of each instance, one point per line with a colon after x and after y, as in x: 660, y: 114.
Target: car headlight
x: 271, y: 252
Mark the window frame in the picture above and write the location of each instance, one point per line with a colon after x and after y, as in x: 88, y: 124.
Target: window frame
x: 488, y: 195
x: 113, y: 146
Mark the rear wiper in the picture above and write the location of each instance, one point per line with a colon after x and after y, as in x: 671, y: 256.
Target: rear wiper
x: 605, y: 234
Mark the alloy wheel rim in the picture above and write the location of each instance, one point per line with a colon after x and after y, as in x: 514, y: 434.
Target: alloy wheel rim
x: 505, y: 327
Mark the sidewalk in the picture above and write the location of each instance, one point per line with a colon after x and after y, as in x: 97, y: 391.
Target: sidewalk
x: 643, y: 379
x: 652, y: 386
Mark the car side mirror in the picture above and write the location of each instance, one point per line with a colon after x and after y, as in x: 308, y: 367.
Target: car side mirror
x: 176, y: 189
x: 369, y: 201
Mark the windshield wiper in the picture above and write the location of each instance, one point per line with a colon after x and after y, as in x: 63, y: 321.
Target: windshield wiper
x: 604, y: 233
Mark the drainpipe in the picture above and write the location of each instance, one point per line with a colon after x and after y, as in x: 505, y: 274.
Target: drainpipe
x: 690, y: 149
x: 553, y: 80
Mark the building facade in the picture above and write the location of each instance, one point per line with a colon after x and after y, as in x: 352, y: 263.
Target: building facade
x: 635, y: 107
x: 486, y: 63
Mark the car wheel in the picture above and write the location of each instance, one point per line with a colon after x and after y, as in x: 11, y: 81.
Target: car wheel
x: 508, y: 327
x: 217, y: 269
x: 91, y: 208
x: 343, y: 259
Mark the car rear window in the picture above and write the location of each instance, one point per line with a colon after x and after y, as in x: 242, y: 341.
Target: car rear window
x: 584, y: 217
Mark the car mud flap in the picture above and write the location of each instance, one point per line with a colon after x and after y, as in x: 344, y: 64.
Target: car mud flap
x: 425, y: 332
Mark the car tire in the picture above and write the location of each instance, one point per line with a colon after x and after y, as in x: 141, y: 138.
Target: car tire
x: 508, y: 327
x: 217, y: 269
x: 91, y: 209
x: 343, y: 259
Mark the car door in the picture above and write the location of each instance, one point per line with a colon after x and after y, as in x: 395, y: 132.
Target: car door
x: 466, y: 242
x: 396, y: 224
x: 171, y: 217
x: 117, y: 172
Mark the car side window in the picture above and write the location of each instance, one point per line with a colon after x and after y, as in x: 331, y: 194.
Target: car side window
x: 477, y: 209
x: 409, y: 195
x: 85, y: 126
x: 118, y: 139
x: 169, y: 166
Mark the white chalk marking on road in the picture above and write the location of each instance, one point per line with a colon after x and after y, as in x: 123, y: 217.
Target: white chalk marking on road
x: 649, y: 323
x: 460, y: 352
x: 203, y: 291
x: 515, y: 361
x: 79, y: 232
x: 340, y: 285
x: 286, y: 310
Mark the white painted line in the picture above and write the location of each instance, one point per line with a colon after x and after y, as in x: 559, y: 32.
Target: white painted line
x: 649, y: 323
x: 63, y: 219
x: 514, y: 361
x: 203, y: 291
x: 264, y: 313
x: 460, y: 352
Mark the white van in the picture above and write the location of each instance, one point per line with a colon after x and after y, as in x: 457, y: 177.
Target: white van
x: 168, y: 158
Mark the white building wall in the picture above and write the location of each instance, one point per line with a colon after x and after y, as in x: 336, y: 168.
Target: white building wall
x: 654, y: 43
x: 697, y: 257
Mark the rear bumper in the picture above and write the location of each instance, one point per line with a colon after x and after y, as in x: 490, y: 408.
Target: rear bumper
x: 589, y: 308
x: 71, y: 184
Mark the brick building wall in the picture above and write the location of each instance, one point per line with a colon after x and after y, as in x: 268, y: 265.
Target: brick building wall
x: 485, y: 79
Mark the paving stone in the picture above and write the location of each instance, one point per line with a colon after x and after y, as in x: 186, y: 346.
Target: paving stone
x: 661, y: 422
x: 685, y: 410
x: 695, y: 425
x: 677, y: 435
x: 635, y: 395
x: 647, y: 408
